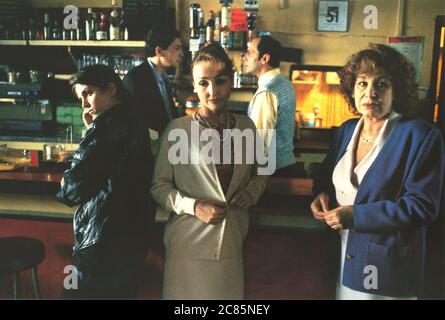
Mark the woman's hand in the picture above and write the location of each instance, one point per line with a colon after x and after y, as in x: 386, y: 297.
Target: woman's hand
x: 340, y: 218
x: 242, y: 199
x: 87, y: 117
x: 320, y: 206
x: 210, y: 211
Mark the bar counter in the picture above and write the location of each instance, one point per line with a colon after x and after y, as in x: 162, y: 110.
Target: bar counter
x: 38, y: 206
x: 284, y: 244
x: 48, y: 206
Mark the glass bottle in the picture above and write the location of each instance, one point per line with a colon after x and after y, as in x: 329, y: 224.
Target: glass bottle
x: 90, y: 25
x: 24, y: 29
x: 56, y: 31
x: 32, y: 29
x: 80, y: 31
x: 123, y: 27
x: 210, y: 27
x: 102, y: 28
x: 194, y: 11
x: 114, y: 22
x: 217, y: 30
x: 202, y: 28
x: 225, y: 16
x: 226, y: 36
x: 251, y: 20
x: 47, y: 28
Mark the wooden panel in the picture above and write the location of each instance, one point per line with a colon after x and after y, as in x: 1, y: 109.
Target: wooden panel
x: 293, y: 186
x: 53, y: 177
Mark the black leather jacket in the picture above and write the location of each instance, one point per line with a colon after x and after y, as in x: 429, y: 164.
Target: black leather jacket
x: 109, y: 180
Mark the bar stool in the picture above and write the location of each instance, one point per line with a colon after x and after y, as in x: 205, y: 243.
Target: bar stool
x: 18, y: 254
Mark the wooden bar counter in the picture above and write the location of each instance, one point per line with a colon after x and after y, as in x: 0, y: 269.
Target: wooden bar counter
x: 283, y: 249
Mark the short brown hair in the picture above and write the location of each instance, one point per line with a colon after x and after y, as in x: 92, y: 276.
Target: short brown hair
x: 400, y: 71
x: 214, y: 53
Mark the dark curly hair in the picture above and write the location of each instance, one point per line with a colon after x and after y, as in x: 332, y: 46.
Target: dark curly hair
x: 214, y: 53
x: 400, y: 71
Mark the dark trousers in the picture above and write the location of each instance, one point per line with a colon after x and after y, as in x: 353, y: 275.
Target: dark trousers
x: 108, y: 271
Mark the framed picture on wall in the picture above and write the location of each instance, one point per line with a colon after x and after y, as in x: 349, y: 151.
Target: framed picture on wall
x: 332, y: 15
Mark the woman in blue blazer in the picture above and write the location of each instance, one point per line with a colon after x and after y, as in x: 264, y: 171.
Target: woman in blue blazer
x: 381, y: 183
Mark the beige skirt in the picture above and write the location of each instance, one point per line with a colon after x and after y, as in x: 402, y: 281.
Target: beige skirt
x: 190, y: 279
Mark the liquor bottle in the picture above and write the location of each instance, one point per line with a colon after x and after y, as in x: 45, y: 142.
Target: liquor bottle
x: 56, y: 31
x: 123, y: 27
x: 80, y: 31
x: 47, y: 27
x: 102, y: 28
x: 90, y: 25
x: 32, y: 29
x: 194, y: 11
x: 225, y: 16
x: 210, y: 27
x: 217, y: 30
x: 23, y: 27
x: 226, y: 35
x: 74, y: 33
x: 114, y: 22
x: 38, y: 27
x: 202, y: 28
x: 251, y: 20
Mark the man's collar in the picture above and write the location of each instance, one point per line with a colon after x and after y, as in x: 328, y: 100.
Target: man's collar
x: 157, y: 74
x: 267, y: 76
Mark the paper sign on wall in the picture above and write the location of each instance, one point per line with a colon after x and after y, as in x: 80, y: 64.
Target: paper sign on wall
x: 412, y: 48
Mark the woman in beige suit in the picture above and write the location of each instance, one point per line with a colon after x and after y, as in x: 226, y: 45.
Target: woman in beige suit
x: 209, y: 199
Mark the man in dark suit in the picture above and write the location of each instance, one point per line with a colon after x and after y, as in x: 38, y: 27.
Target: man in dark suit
x: 148, y: 82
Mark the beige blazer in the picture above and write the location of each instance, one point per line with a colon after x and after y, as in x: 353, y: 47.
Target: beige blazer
x: 177, y: 187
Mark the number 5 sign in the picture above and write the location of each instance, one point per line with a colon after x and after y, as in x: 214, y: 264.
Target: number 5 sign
x: 332, y: 15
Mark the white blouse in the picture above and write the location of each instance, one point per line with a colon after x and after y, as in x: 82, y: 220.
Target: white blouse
x: 347, y: 180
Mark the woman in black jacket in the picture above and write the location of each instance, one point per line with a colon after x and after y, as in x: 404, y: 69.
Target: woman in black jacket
x: 109, y: 180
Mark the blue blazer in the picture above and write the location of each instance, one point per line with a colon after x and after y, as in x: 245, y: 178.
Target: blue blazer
x: 399, y: 195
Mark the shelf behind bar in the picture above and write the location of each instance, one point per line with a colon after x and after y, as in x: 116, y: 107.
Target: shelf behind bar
x: 13, y: 42
x: 51, y: 177
x: 91, y: 43
x: 73, y: 43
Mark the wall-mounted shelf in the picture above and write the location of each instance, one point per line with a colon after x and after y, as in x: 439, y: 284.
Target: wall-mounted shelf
x: 13, y: 42
x: 74, y: 43
x: 41, y: 54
